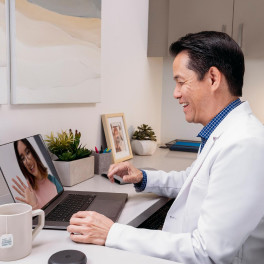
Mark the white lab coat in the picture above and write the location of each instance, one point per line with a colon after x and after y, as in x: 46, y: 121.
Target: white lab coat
x: 218, y: 215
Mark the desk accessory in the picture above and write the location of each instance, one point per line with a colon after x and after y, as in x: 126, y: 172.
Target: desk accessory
x: 144, y: 140
x: 117, y: 136
x: 184, y: 145
x: 16, y: 232
x: 68, y: 257
x: 102, y: 162
x: 73, y: 162
x: 117, y: 178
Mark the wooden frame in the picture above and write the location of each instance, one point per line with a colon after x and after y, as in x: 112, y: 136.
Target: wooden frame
x: 117, y: 137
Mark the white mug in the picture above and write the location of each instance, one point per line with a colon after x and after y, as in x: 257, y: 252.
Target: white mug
x: 16, y: 232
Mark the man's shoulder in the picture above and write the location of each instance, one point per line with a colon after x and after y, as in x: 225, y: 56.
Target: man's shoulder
x: 241, y: 122
x: 241, y: 128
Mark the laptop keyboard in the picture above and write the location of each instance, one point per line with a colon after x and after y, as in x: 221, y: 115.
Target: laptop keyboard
x: 68, y: 206
x: 156, y: 220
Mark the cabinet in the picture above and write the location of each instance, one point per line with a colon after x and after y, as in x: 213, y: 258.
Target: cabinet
x: 188, y: 16
x: 241, y: 19
x: 158, y: 28
x: 248, y: 29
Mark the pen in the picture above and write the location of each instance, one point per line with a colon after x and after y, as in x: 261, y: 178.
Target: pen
x: 96, y: 150
x: 105, y: 151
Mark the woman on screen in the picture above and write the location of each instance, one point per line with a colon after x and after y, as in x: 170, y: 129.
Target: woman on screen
x: 41, y: 187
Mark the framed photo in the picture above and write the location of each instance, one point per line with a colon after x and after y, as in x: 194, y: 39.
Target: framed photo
x: 117, y: 137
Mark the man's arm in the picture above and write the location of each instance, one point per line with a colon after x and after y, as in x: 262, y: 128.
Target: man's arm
x: 231, y: 209
x: 159, y: 182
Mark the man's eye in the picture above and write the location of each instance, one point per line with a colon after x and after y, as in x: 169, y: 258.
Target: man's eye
x: 180, y: 83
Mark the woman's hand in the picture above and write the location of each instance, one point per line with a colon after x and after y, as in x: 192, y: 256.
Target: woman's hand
x: 27, y: 193
x: 89, y: 227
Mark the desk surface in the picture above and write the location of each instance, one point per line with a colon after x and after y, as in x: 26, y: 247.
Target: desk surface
x: 49, y: 242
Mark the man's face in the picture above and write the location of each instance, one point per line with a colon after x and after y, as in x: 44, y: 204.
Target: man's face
x: 193, y: 95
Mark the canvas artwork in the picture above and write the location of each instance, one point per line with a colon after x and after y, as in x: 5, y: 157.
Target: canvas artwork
x: 55, y: 51
x: 4, y: 89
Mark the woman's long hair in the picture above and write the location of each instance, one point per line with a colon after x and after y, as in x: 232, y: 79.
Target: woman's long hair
x: 42, y: 169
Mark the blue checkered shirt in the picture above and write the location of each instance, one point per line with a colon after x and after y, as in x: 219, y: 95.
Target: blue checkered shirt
x: 141, y: 185
x: 211, y: 126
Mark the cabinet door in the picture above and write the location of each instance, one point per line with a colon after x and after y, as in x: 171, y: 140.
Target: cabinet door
x: 190, y: 16
x: 158, y: 28
x: 248, y: 29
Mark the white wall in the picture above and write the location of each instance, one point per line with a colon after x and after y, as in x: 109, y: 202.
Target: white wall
x: 131, y: 83
x: 173, y: 120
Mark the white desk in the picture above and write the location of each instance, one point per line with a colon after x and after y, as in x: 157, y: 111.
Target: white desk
x: 49, y: 242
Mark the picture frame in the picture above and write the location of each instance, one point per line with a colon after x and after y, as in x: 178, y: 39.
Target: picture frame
x: 117, y: 136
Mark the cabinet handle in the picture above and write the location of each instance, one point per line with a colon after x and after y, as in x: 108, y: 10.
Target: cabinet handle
x: 240, y: 35
x: 223, y: 28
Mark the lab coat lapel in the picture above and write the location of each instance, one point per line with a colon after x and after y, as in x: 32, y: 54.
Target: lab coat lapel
x: 198, y: 163
x: 230, y: 119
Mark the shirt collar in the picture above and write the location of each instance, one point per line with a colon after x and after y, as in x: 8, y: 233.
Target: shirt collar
x: 211, y: 126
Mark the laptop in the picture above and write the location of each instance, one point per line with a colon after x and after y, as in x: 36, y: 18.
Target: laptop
x: 24, y: 158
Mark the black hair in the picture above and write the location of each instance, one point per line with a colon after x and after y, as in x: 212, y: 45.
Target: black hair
x: 211, y: 48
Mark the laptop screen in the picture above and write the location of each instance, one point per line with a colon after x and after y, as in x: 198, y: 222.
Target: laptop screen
x: 29, y: 172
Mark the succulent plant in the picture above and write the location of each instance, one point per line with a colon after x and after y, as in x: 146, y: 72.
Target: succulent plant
x: 144, y: 132
x: 66, y: 146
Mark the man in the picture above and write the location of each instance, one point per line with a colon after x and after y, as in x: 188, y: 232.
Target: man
x: 217, y: 216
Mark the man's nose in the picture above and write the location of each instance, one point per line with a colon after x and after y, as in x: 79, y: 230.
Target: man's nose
x: 177, y: 93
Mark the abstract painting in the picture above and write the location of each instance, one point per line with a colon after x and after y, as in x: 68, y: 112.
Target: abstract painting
x: 55, y: 51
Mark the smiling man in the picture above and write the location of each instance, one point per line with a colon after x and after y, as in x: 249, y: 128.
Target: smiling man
x: 218, y: 213
x: 201, y: 99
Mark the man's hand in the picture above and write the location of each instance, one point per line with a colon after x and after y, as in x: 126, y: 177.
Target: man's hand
x: 89, y: 227
x: 128, y: 172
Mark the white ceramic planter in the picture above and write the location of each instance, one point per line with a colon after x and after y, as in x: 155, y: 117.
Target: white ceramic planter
x: 76, y: 171
x: 143, y: 147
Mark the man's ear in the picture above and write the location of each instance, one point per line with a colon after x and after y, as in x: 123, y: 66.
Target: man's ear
x: 215, y: 78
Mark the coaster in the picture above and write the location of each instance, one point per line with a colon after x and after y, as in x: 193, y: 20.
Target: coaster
x: 68, y: 257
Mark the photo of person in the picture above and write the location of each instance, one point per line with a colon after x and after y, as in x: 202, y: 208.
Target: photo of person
x: 41, y: 186
x: 118, y: 137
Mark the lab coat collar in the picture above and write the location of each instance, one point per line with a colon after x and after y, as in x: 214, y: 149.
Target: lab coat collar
x: 229, y: 119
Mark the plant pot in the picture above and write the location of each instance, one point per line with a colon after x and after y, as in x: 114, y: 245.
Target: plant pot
x: 143, y: 147
x: 76, y: 171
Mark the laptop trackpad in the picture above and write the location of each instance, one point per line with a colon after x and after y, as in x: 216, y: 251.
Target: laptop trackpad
x: 108, y: 208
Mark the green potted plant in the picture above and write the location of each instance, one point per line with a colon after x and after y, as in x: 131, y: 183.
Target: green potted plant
x: 144, y: 140
x: 72, y: 161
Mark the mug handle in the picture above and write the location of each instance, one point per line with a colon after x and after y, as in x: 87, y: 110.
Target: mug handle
x: 41, y: 220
